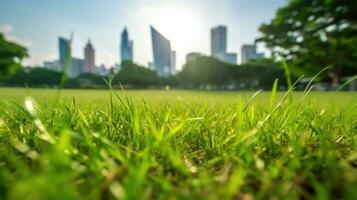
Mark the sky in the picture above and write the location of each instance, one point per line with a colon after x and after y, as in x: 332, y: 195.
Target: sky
x: 37, y: 24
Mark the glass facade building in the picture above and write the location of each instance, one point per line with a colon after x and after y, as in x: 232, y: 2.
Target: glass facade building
x: 164, y: 57
x: 218, y: 40
x: 249, y: 52
x: 219, y: 45
x: 64, y: 46
x: 126, y: 46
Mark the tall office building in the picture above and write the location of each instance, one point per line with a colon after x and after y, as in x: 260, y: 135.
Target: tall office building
x: 173, y: 62
x: 249, y: 52
x: 76, y: 68
x: 64, y: 47
x: 164, y: 57
x: 89, y: 58
x: 218, y: 40
x: 219, y: 45
x: 126, y: 46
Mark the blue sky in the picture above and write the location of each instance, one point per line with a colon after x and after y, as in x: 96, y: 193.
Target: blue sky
x: 186, y: 23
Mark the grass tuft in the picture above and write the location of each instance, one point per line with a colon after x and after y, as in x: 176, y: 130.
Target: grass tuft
x: 132, y: 147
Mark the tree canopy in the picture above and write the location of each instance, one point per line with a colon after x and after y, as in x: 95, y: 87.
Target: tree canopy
x: 10, y: 56
x: 209, y: 71
x: 132, y: 74
x: 314, y: 34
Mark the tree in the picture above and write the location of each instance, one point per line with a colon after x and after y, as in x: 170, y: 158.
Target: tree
x: 11, y: 55
x: 90, y: 80
x: 209, y: 71
x: 35, y: 76
x: 135, y: 75
x: 205, y: 70
x: 314, y: 34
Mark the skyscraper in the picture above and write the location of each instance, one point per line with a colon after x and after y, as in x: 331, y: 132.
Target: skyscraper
x: 219, y: 45
x: 76, y: 67
x: 73, y: 66
x: 64, y: 47
x: 89, y: 58
x: 218, y: 40
x: 249, y: 52
x: 173, y: 62
x: 126, y: 46
x: 164, y: 57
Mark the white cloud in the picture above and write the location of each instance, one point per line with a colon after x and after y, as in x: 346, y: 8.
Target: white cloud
x: 22, y: 41
x: 8, y: 30
x: 37, y: 58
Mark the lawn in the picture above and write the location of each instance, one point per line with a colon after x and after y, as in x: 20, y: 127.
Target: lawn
x: 224, y: 98
x: 154, y: 144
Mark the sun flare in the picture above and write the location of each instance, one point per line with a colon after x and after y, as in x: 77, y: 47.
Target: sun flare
x: 179, y: 25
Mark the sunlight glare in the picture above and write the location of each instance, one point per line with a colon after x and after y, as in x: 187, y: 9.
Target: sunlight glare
x: 179, y: 25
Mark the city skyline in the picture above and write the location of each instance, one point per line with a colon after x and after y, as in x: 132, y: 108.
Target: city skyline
x: 102, y: 22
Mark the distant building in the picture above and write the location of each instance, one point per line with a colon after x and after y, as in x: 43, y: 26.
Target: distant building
x: 126, y: 46
x: 164, y: 57
x: 249, y: 52
x: 64, y: 47
x: 101, y: 70
x: 89, y: 58
x: 218, y: 40
x: 76, y: 68
x: 173, y: 62
x: 219, y: 45
x: 228, y: 57
x: 53, y: 65
x: 192, y: 56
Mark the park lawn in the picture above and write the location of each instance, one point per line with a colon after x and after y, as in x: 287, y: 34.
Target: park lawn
x: 155, y: 144
x: 83, y: 96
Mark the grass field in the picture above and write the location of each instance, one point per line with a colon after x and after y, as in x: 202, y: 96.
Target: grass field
x: 102, y: 144
x: 224, y: 98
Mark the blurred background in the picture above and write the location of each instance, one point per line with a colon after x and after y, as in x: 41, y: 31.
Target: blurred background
x: 202, y: 44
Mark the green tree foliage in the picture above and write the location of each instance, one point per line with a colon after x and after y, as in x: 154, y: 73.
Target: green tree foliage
x: 204, y: 71
x: 265, y: 71
x: 10, y: 56
x: 39, y: 77
x: 314, y: 34
x: 89, y: 80
x: 135, y: 75
x: 34, y: 77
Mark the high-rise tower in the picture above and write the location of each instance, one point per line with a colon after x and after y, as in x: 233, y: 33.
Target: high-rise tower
x: 249, y: 52
x: 126, y: 46
x: 89, y: 58
x: 64, y: 47
x: 164, y: 57
x: 219, y: 45
x: 218, y: 40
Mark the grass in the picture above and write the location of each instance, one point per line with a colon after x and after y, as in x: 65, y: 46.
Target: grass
x: 217, y: 98
x: 105, y: 144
